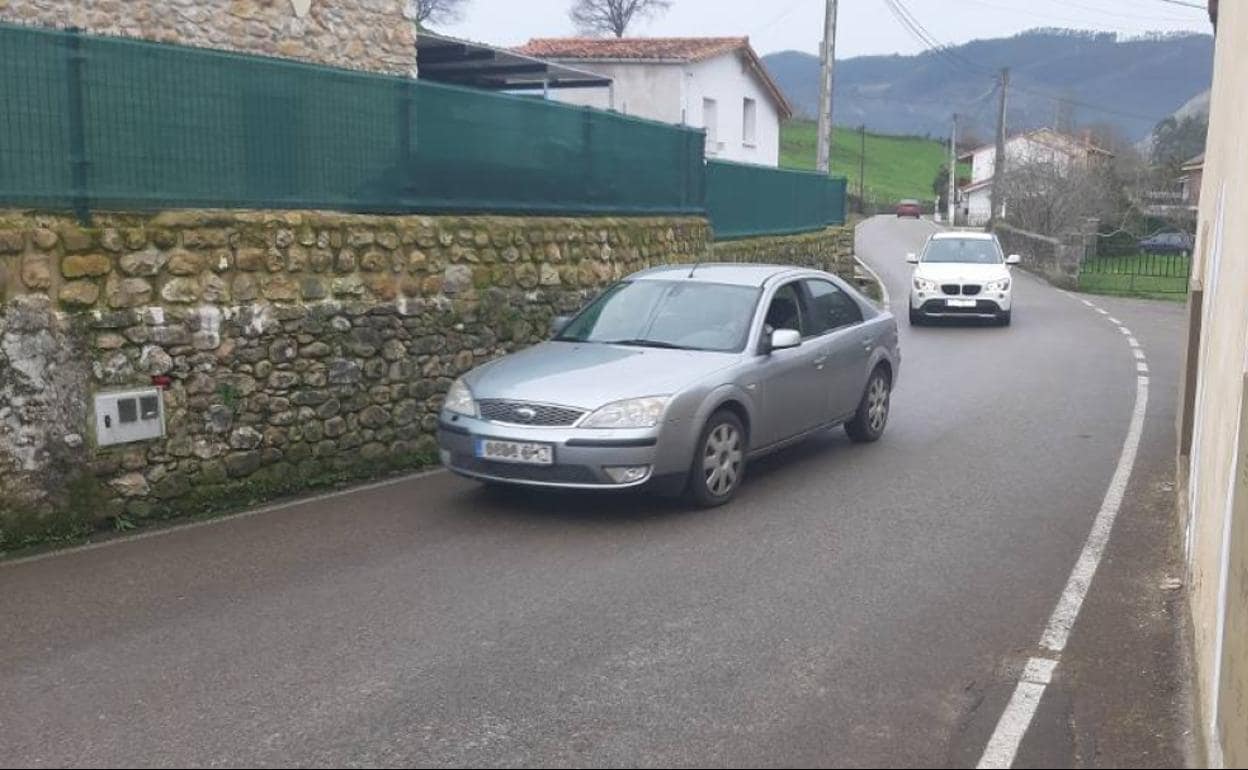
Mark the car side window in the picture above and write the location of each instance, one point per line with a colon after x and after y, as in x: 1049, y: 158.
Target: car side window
x: 785, y: 310
x: 830, y: 308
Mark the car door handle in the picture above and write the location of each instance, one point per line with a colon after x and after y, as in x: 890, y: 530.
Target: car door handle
x: 820, y: 361
x: 868, y: 346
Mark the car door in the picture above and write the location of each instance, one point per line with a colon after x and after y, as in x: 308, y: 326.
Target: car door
x: 843, y: 344
x: 791, y: 392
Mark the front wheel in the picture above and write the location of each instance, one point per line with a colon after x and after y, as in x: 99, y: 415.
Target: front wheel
x: 719, y: 463
x: 872, y: 416
x: 916, y: 318
x: 1003, y: 319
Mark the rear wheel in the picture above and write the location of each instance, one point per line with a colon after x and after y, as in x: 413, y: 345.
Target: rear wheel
x: 872, y: 416
x: 719, y: 463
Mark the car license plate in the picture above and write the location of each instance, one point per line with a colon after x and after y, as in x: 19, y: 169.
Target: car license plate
x: 515, y: 452
x: 961, y: 302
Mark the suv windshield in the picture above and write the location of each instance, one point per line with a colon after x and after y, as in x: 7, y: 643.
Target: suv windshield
x: 687, y: 315
x: 976, y: 251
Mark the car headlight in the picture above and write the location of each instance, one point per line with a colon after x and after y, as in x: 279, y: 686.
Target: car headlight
x: 459, y: 399
x: 1001, y: 285
x: 631, y: 413
x: 923, y: 284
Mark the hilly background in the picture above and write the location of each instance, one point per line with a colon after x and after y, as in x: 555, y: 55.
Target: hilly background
x: 1130, y: 84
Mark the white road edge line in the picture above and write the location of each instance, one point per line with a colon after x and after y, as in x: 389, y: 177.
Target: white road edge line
x: 1138, y: 353
x: 1125, y: 330
x: 887, y: 301
x: 1016, y: 719
x: 223, y: 519
x: 1133, y: 342
x: 1114, y: 321
x: 1006, y: 738
x: 1141, y: 367
x: 1064, y: 615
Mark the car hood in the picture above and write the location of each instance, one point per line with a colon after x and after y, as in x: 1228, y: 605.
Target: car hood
x: 959, y: 272
x: 587, y: 376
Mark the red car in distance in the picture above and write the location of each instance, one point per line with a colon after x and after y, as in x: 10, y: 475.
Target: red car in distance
x: 909, y: 208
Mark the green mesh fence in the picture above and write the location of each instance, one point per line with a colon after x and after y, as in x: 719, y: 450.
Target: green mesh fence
x: 746, y: 200
x: 110, y: 123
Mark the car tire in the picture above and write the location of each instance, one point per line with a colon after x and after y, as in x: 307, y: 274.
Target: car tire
x: 916, y: 318
x: 1003, y: 319
x: 871, y: 419
x: 718, y: 461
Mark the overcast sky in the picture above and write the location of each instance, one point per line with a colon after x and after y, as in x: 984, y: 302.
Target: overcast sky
x: 866, y: 26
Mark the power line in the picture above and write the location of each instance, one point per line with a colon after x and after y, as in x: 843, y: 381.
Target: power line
x: 912, y: 25
x: 1185, y: 4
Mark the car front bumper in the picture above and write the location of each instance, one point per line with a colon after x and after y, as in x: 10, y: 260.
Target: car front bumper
x: 580, y: 456
x: 936, y: 305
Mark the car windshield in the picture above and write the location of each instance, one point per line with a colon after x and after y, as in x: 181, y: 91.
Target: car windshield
x: 975, y: 251
x: 687, y: 315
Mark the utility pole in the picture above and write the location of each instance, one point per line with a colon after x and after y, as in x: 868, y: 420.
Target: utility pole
x: 862, y: 171
x: 950, y: 206
x: 827, y: 55
x: 998, y: 167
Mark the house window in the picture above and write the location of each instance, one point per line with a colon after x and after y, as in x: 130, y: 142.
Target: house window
x: 710, y: 121
x: 749, y: 123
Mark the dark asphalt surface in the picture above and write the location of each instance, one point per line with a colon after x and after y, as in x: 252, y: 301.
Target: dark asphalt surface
x: 855, y: 606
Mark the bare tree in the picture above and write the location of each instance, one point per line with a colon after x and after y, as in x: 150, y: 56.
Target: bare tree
x: 601, y: 17
x: 437, y: 11
x: 1054, y: 198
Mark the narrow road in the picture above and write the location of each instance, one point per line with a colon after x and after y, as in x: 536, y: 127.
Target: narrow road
x: 855, y: 606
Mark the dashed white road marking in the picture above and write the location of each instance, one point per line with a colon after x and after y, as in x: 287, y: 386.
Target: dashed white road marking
x: 1008, y: 736
x: 1114, y: 321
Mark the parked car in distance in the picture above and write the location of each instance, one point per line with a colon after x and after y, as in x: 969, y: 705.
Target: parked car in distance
x: 962, y: 275
x: 909, y: 208
x: 674, y: 378
x: 1168, y: 243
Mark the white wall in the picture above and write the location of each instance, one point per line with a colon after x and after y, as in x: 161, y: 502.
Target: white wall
x: 978, y: 205
x: 728, y: 80
x: 673, y: 93
x: 645, y: 90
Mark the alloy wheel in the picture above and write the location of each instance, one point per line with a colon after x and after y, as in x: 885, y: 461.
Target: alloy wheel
x: 721, y: 459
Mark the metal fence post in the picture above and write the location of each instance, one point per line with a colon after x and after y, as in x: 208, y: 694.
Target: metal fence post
x: 77, y: 130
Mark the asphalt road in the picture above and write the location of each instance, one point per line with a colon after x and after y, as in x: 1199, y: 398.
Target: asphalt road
x: 855, y: 606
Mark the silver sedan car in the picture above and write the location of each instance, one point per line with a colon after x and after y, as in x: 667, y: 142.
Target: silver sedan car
x: 674, y: 378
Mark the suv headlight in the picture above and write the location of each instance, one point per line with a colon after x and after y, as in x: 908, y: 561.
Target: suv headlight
x: 631, y: 413
x: 1001, y: 285
x: 459, y: 399
x: 923, y: 284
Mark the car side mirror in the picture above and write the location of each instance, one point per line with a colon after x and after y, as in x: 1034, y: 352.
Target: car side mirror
x: 783, y: 339
x: 1013, y: 259
x: 912, y: 258
x: 558, y: 324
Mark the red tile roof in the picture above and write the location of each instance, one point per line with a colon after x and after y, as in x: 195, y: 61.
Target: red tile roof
x: 649, y: 48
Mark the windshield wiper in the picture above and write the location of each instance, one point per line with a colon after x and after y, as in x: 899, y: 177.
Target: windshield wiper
x: 649, y: 344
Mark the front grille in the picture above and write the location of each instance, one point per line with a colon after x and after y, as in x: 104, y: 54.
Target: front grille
x: 549, y: 474
x: 951, y: 289
x: 525, y: 413
x: 971, y: 290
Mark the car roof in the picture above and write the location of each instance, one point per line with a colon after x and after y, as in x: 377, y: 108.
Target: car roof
x: 738, y: 274
x: 958, y: 235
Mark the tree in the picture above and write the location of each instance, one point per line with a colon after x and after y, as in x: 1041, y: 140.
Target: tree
x: 438, y: 11
x: 1055, y: 197
x: 1177, y: 141
x: 601, y: 17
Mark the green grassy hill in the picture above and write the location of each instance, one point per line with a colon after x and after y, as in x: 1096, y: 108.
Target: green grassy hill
x: 897, y: 166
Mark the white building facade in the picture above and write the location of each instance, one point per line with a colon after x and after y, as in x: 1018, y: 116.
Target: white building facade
x: 1041, y: 146
x: 716, y: 84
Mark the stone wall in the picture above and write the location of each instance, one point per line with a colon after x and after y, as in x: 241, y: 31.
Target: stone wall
x: 1055, y: 260
x: 301, y: 348
x: 374, y: 35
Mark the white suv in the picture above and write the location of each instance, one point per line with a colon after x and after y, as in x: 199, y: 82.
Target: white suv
x: 962, y: 275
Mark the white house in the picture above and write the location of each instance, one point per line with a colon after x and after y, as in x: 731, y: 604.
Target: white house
x: 1043, y: 145
x: 715, y: 83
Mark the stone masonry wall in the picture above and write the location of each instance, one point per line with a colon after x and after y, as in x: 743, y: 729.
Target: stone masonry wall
x: 302, y: 348
x: 373, y: 35
x: 1056, y: 261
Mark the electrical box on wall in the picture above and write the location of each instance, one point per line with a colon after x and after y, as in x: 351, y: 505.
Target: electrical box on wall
x: 131, y: 415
